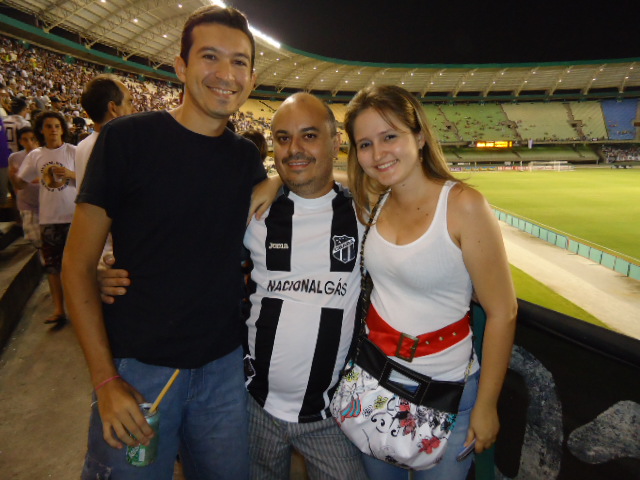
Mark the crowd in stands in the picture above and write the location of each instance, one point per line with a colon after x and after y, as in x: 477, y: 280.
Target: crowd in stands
x: 248, y: 121
x: 618, y: 153
x: 49, y: 80
x: 615, y: 127
x: 43, y: 80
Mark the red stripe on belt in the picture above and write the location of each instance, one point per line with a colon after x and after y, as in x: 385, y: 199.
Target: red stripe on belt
x: 405, y: 346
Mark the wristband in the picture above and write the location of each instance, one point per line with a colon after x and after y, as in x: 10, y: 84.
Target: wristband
x: 103, y: 383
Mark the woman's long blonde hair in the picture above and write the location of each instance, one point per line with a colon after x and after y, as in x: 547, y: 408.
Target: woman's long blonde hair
x: 386, y: 100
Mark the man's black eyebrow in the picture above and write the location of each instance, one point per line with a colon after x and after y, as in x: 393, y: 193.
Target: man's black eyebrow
x: 216, y: 50
x: 305, y: 130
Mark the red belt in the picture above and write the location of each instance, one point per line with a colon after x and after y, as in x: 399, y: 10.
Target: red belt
x: 405, y: 346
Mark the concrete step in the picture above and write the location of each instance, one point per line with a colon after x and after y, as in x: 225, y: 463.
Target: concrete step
x: 9, y: 232
x: 9, y: 212
x: 20, y: 273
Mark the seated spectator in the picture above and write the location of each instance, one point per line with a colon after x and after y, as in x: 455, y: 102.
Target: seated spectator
x: 5, y: 151
x: 5, y: 100
x: 16, y: 121
x: 258, y: 139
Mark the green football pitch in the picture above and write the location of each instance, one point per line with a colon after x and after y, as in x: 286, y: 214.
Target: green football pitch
x: 600, y: 206
x: 597, y: 206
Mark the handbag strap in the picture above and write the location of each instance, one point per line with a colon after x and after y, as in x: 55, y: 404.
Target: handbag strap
x: 373, y: 218
x: 366, y: 286
x: 366, y: 283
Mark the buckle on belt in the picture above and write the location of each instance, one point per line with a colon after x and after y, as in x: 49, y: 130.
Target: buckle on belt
x: 413, y: 348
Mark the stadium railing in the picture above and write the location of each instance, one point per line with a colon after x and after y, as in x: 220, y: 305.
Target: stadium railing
x: 614, y: 262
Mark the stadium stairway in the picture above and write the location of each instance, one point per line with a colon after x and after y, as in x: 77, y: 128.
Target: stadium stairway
x: 20, y: 272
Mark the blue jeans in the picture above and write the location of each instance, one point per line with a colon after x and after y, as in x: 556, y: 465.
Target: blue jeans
x: 203, y: 417
x: 449, y: 468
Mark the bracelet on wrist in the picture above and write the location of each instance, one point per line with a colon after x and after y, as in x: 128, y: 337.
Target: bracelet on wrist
x: 104, y: 382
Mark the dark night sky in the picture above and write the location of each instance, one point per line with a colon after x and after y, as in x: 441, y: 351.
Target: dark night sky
x: 449, y: 31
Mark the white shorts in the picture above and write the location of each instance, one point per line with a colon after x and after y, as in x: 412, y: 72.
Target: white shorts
x: 31, y: 227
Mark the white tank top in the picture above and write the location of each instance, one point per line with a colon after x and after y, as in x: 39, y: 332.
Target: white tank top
x: 422, y: 287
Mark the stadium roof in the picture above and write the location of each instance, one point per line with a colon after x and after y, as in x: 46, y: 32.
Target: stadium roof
x: 150, y: 29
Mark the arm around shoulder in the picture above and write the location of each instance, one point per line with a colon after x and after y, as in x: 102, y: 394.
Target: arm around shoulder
x: 82, y: 253
x: 264, y: 194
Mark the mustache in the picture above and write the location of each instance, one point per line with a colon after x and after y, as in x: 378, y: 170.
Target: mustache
x: 297, y: 157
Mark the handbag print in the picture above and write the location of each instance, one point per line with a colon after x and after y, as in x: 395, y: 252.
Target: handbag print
x: 388, y: 427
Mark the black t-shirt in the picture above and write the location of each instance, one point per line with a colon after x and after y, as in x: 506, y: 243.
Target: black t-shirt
x: 179, y: 203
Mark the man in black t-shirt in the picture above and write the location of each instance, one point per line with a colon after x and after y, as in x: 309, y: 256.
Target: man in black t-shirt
x: 165, y: 323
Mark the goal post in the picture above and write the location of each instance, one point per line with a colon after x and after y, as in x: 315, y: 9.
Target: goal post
x: 552, y: 165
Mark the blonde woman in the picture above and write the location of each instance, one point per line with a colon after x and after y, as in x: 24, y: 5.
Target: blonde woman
x: 434, y: 242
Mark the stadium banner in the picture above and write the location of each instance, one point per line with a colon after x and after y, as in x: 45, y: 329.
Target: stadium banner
x: 570, y: 407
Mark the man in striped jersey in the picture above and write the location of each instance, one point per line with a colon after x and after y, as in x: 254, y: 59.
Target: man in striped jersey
x: 306, y: 281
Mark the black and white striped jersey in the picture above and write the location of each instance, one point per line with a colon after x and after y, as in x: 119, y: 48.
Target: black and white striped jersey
x: 306, y: 277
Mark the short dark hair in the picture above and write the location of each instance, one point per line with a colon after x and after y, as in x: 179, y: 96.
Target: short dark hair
x: 22, y: 131
x: 18, y: 105
x: 34, y: 114
x: 258, y: 139
x: 39, y: 123
x: 98, y: 93
x: 229, y: 17
x: 79, y: 122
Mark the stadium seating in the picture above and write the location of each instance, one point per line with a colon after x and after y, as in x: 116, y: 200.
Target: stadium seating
x: 455, y: 124
x: 479, y: 122
x: 338, y: 109
x: 592, y: 118
x: 444, y: 130
x: 272, y: 104
x: 586, y: 153
x: 257, y: 109
x: 619, y: 116
x: 542, y: 121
